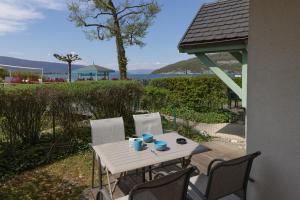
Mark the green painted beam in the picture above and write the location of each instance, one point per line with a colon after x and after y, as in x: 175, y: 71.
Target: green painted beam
x: 215, y: 49
x: 220, y: 73
x: 237, y: 55
x: 244, y: 77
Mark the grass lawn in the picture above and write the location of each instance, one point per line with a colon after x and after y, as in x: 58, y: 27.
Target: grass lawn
x: 64, y: 179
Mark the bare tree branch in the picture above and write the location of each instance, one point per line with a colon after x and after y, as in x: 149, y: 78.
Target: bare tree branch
x: 130, y: 13
x: 131, y: 7
x: 102, y: 13
x: 92, y: 24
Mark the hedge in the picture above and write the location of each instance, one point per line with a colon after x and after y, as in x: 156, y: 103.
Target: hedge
x: 201, y: 94
x: 25, y: 108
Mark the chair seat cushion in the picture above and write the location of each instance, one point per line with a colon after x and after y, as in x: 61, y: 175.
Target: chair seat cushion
x: 200, y: 182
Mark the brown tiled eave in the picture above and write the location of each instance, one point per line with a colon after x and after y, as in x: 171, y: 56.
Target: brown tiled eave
x: 220, y: 22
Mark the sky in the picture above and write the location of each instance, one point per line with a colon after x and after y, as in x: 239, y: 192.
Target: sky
x: 35, y: 29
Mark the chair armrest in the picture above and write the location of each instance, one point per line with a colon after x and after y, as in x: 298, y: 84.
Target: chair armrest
x: 211, y: 164
x: 103, y: 193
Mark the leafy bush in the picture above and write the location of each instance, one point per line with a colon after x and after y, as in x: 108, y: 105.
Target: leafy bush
x: 221, y: 116
x: 22, y: 110
x: 200, y: 94
x: 154, y: 99
x: 198, y: 99
x: 238, y: 81
x: 186, y: 131
x: 24, y: 107
x: 3, y: 73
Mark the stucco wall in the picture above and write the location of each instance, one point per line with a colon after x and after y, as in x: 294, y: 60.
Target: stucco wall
x: 274, y: 99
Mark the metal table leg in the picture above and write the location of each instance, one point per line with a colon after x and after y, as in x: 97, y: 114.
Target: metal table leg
x: 143, y: 175
x: 150, y: 173
x: 100, y: 173
x: 93, y: 170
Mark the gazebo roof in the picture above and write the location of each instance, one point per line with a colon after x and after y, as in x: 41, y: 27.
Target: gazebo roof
x: 224, y: 21
x: 94, y: 68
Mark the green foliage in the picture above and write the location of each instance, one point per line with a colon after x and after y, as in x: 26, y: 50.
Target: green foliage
x: 22, y: 110
x: 238, y: 81
x: 64, y: 179
x: 192, y: 134
x: 186, y: 131
x: 23, y: 157
x: 220, y: 116
x: 104, y: 20
x: 155, y: 98
x: 125, y: 21
x: 198, y: 99
x: 24, y: 107
x: 3, y: 73
x: 201, y: 94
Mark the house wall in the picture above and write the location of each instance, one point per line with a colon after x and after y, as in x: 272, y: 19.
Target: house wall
x: 273, y: 115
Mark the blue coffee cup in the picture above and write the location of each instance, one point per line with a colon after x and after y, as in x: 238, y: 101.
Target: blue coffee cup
x: 147, y: 137
x: 138, y: 144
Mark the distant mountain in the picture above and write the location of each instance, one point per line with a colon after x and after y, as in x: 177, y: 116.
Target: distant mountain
x: 49, y: 67
x: 194, y: 65
x: 140, y: 71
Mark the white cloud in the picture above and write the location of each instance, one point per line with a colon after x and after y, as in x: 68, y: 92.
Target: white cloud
x: 16, y: 14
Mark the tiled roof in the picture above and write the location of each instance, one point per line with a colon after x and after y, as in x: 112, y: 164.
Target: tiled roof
x: 221, y: 21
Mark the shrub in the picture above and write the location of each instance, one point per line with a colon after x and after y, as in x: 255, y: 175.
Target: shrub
x: 154, y: 99
x: 220, y: 116
x: 201, y: 94
x: 3, y: 73
x: 24, y: 107
x: 198, y: 99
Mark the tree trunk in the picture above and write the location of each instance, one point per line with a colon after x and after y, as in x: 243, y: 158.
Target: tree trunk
x: 70, y: 72
x: 122, y: 60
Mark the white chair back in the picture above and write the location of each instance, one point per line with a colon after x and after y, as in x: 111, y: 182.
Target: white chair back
x: 107, y: 130
x: 148, y: 123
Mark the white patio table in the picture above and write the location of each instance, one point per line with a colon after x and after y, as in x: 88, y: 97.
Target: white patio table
x: 119, y: 157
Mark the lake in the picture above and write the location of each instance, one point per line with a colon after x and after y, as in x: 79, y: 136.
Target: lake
x: 130, y: 76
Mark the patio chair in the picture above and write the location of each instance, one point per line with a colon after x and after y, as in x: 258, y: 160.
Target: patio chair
x: 152, y: 123
x: 224, y: 179
x: 105, y: 131
x: 148, y: 123
x: 171, y: 187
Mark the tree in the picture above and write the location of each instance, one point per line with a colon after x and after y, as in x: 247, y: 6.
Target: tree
x: 127, y: 22
x: 3, y: 73
x: 69, y: 58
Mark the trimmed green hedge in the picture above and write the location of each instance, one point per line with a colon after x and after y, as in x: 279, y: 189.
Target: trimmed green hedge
x: 198, y: 99
x: 24, y: 109
x: 201, y: 94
